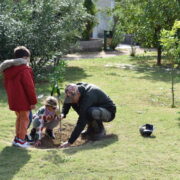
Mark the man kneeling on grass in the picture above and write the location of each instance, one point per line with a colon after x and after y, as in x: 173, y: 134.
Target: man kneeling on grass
x: 93, y: 107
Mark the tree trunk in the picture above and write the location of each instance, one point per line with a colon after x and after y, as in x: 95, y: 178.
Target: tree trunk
x: 172, y: 86
x: 159, y: 52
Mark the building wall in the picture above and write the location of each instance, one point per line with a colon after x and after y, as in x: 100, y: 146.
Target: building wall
x: 104, y: 21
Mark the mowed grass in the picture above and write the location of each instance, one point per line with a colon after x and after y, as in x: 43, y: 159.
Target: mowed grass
x: 142, y: 95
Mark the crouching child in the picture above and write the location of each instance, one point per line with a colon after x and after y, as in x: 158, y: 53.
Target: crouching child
x: 46, y: 117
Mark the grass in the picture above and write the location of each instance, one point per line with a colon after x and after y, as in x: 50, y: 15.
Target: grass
x: 142, y: 95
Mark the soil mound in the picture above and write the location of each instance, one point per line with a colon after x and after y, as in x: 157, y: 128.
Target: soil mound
x: 64, y: 134
x: 61, y: 136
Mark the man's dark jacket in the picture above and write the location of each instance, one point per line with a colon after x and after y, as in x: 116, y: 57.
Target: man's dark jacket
x: 91, y: 96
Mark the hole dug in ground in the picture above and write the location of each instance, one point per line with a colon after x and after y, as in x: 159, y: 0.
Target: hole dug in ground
x: 61, y: 136
x: 64, y: 134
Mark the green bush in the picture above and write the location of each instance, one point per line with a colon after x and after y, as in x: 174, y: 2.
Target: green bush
x: 91, y: 22
x: 47, y: 28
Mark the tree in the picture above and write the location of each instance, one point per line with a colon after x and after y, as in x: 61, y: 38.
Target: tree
x: 170, y: 41
x: 47, y: 28
x: 144, y: 20
x: 90, y: 23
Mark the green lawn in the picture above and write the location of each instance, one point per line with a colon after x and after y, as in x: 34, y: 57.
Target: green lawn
x: 142, y: 95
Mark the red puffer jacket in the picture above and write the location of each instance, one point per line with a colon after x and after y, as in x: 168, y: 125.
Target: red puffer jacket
x: 18, y: 81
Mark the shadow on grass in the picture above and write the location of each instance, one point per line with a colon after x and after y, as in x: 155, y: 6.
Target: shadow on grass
x: 143, y: 58
x: 106, y: 141
x: 149, y: 137
x: 43, y: 89
x: 158, y: 74
x: 75, y: 74
x: 155, y: 73
x: 12, y: 159
x: 55, y: 158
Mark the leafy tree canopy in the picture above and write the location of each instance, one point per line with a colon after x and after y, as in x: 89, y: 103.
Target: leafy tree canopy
x: 145, y: 19
x: 47, y: 28
x: 170, y: 40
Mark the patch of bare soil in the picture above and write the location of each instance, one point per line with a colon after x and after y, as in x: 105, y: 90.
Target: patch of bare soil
x: 64, y: 134
x: 61, y: 136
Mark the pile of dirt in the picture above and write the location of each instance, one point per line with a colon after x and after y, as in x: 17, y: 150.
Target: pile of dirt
x: 61, y: 136
x: 64, y: 134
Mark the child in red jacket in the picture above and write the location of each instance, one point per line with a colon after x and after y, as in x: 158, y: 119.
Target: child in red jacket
x: 19, y: 85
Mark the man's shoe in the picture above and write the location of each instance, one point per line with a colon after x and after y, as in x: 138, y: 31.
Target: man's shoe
x: 50, y: 133
x: 86, y: 134
x: 98, y: 136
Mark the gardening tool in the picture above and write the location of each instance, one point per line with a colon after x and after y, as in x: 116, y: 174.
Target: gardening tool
x: 57, y: 90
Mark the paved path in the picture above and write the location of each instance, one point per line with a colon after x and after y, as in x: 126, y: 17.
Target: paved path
x: 91, y: 55
x: 121, y: 49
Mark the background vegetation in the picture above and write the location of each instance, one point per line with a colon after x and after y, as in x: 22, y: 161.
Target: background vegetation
x: 47, y: 28
x: 171, y: 43
x: 91, y: 22
x: 144, y: 20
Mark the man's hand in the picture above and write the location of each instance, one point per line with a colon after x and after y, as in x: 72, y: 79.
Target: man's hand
x: 61, y: 116
x: 65, y: 145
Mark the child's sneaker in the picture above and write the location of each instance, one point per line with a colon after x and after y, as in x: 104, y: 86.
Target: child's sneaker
x: 32, y: 134
x: 14, y: 142
x: 21, y: 143
x: 29, y: 139
x: 25, y: 144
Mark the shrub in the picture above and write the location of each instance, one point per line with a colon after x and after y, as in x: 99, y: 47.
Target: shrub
x: 47, y: 28
x: 91, y: 22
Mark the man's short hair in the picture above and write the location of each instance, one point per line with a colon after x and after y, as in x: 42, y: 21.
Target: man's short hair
x: 70, y: 91
x: 21, y: 51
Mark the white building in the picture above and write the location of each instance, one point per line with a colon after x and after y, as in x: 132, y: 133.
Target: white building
x: 105, y: 22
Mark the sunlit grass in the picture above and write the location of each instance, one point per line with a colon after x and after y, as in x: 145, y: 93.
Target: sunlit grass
x: 142, y: 95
